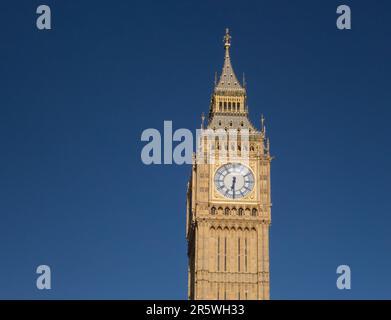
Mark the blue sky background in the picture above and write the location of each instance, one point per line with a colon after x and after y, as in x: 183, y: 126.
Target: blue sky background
x: 74, y: 101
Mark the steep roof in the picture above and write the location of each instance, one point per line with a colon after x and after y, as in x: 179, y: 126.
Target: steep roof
x: 228, y: 82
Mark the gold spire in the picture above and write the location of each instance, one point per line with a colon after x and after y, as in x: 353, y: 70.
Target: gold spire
x: 228, y: 81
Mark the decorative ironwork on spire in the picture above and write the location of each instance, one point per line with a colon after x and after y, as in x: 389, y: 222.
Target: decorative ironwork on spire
x: 228, y: 82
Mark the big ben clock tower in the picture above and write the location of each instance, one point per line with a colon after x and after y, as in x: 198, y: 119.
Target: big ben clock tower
x: 228, y: 199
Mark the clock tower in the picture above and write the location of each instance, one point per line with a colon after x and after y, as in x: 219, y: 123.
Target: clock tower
x: 228, y: 199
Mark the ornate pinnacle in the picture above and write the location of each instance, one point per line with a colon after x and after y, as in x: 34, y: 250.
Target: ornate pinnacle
x: 263, y: 128
x: 227, y: 39
x: 202, y: 120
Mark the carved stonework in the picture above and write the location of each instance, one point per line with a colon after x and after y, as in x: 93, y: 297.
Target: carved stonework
x: 228, y: 229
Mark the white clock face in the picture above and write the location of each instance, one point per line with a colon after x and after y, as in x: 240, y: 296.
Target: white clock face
x: 234, y: 180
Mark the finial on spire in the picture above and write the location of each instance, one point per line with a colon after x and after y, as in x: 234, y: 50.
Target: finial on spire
x: 244, y: 81
x: 227, y: 39
x: 263, y: 128
x: 215, y: 78
x: 202, y: 120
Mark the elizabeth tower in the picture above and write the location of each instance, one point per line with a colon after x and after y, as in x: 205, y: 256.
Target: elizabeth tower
x: 228, y: 200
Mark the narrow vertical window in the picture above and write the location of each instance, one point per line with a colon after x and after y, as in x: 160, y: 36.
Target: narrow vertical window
x: 245, y: 254
x: 238, y: 254
x: 218, y: 253
x: 225, y: 254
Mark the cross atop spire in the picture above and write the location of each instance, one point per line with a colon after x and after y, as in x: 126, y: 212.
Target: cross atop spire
x: 228, y: 82
x: 227, y: 39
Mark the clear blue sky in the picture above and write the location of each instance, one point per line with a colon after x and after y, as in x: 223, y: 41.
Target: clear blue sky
x: 74, y: 101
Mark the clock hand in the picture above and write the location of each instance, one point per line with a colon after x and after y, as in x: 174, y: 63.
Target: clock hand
x: 233, y: 187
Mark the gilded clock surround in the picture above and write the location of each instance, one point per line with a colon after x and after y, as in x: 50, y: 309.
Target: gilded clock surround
x: 228, y: 239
